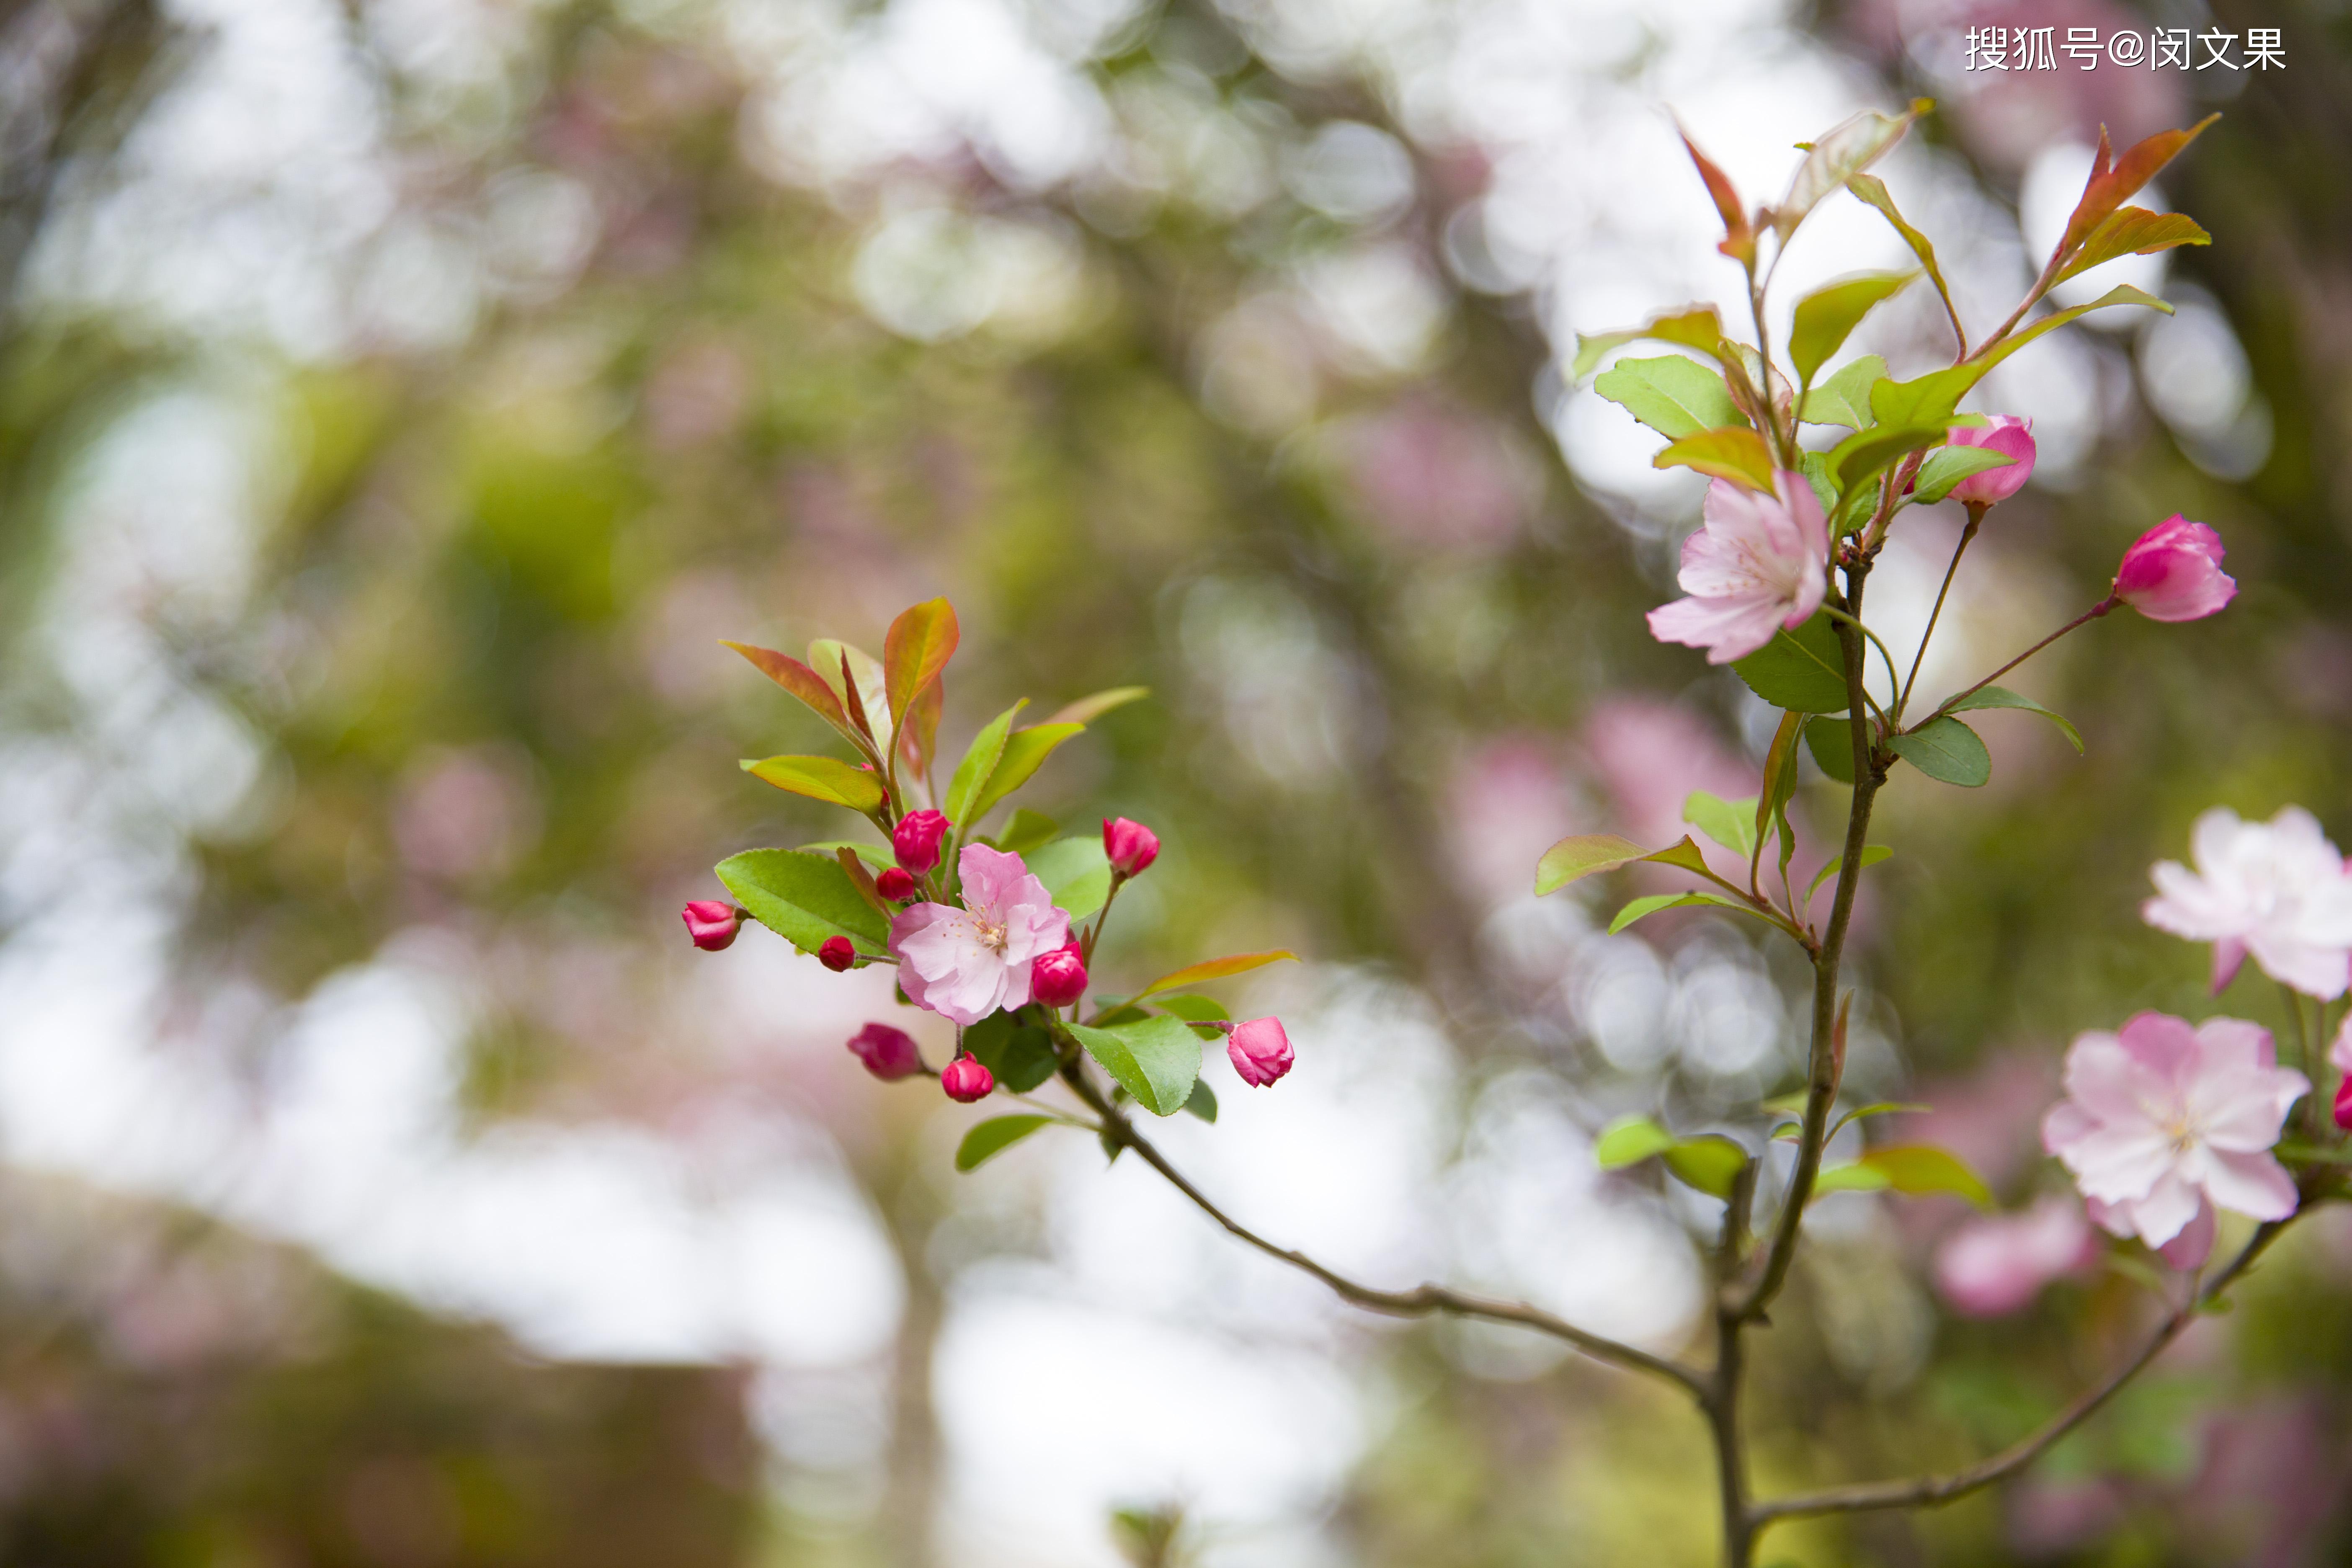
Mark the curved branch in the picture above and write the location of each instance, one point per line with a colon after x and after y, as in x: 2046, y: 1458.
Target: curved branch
x: 1421, y: 1301
x: 1930, y: 1491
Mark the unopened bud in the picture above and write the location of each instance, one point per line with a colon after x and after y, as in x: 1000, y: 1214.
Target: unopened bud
x: 896, y: 885
x: 2012, y: 438
x: 1058, y: 978
x: 966, y: 1080
x: 836, y: 953
x: 889, y: 1053
x: 916, y: 839
x: 1129, y: 847
x: 2344, y: 1105
x: 2173, y: 573
x: 711, y: 923
x: 1260, y: 1051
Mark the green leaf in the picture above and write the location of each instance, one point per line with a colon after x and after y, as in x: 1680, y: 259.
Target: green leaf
x: 1193, y: 1008
x: 1075, y: 872
x: 1779, y: 784
x: 1831, y: 742
x: 1946, y: 468
x: 1019, y: 1055
x: 993, y: 1136
x: 1873, y: 190
x: 1216, y: 969
x: 1735, y: 453
x: 1851, y: 1178
x: 1918, y: 1169
x: 1859, y: 458
x: 980, y: 759
x: 828, y: 779
x: 1871, y: 854
x: 1583, y: 855
x: 803, y: 898
x: 1027, y: 831
x: 1825, y: 317
x: 1947, y: 751
x: 1155, y: 1059
x: 1710, y: 1163
x: 877, y: 855
x: 918, y: 647
x: 1845, y: 397
x: 1843, y: 152
x: 2000, y: 697
x: 1815, y: 466
x: 1801, y: 671
x: 1629, y: 1141
x: 1877, y: 1107
x: 1673, y: 395
x: 1086, y: 709
x: 1729, y: 824
x: 1697, y: 327
x: 1684, y: 853
x: 2134, y: 231
x: 2124, y: 294
x: 1203, y: 1103
x: 1929, y: 400
x: 1024, y: 751
x: 1651, y: 905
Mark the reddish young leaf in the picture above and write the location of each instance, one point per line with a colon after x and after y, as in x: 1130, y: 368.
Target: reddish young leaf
x: 2134, y: 231
x: 1216, y: 969
x: 802, y: 682
x: 919, y: 734
x: 1738, y: 237
x: 918, y: 647
x: 2113, y: 181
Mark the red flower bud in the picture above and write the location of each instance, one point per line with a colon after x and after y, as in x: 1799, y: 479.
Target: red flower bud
x: 1129, y: 845
x: 889, y: 1053
x: 896, y: 885
x: 966, y: 1080
x: 836, y: 954
x: 916, y: 839
x: 1058, y: 978
x: 711, y: 923
x: 2344, y: 1105
x: 1260, y: 1051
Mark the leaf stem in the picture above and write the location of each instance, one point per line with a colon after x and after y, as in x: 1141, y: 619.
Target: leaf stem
x: 2085, y: 618
x: 1976, y: 520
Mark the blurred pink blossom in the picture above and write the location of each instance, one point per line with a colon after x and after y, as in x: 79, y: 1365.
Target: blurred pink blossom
x: 2164, y: 1121
x: 1437, y: 476
x: 1651, y: 755
x: 1754, y: 567
x: 466, y: 813
x: 2278, y: 890
x: 1508, y: 803
x: 1997, y: 1264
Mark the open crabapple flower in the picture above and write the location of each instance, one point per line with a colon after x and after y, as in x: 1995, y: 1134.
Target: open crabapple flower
x: 2163, y: 1123
x: 965, y: 964
x: 1755, y: 566
x: 2173, y: 573
x: 2010, y: 435
x: 1994, y: 1265
x: 2278, y: 890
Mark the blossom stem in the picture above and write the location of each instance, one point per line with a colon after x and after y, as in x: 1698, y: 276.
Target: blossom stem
x: 1421, y: 1301
x: 1976, y: 520
x: 1930, y: 1491
x: 2092, y: 614
x: 1837, y: 614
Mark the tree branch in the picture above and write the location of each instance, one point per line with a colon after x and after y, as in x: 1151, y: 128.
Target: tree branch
x: 1421, y: 1301
x: 1929, y: 1490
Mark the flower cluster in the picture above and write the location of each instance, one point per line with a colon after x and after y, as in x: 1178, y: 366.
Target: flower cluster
x: 986, y: 931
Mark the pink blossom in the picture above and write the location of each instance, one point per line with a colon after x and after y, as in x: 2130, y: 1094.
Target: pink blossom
x: 916, y: 841
x: 1997, y: 1264
x: 2010, y: 437
x: 2278, y: 890
x: 889, y: 1053
x: 1754, y: 567
x: 965, y: 964
x: 2166, y: 1122
x: 712, y: 924
x: 1059, y: 978
x: 966, y: 1080
x: 1260, y: 1051
x: 836, y: 953
x: 1129, y: 847
x: 2173, y: 573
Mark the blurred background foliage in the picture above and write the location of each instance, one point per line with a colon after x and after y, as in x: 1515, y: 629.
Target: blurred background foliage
x: 397, y: 401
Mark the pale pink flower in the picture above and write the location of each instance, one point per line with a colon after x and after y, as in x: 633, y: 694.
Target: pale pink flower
x: 2278, y: 890
x: 2012, y: 438
x: 1996, y: 1264
x: 965, y: 964
x: 1756, y: 566
x: 1260, y: 1050
x: 2173, y: 573
x: 2164, y: 1122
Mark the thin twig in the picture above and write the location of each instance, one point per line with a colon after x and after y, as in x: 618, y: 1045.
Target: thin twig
x: 2085, y: 618
x: 1976, y: 520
